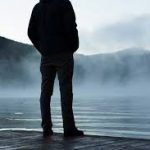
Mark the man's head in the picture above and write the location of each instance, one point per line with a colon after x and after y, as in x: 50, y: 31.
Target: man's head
x: 44, y: 0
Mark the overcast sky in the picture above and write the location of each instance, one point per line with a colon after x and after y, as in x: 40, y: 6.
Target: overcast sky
x: 104, y: 25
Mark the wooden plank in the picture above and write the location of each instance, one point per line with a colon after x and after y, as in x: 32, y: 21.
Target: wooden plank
x: 26, y: 140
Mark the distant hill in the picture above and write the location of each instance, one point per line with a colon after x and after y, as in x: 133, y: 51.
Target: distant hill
x: 12, y: 57
x: 12, y: 49
x: 19, y: 64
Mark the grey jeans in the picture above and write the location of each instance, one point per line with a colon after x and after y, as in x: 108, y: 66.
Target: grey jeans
x: 63, y: 66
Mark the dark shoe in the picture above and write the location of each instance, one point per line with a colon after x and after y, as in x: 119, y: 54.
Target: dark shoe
x: 74, y: 132
x: 47, y: 133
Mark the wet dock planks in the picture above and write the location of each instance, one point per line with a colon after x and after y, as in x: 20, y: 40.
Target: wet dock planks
x: 33, y: 140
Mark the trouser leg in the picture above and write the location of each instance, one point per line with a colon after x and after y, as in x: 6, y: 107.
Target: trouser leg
x: 65, y: 75
x: 48, y: 73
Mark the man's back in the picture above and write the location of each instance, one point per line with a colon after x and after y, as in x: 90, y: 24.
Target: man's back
x: 53, y: 32
x: 52, y: 27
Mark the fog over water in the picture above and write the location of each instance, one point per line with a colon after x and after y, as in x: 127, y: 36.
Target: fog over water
x: 123, y: 72
x: 111, y: 91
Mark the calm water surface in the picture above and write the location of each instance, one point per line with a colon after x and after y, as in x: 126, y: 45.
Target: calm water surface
x: 115, y: 116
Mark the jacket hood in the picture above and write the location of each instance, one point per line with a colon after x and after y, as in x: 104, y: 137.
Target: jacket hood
x: 44, y: 1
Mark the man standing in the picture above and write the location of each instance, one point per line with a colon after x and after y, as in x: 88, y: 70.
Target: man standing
x: 53, y: 31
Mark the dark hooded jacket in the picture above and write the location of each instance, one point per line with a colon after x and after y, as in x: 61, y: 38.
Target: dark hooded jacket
x: 52, y: 27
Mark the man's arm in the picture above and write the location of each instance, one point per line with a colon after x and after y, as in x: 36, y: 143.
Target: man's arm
x: 70, y: 26
x: 32, y: 28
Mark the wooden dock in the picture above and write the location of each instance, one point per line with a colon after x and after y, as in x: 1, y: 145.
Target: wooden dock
x: 33, y: 140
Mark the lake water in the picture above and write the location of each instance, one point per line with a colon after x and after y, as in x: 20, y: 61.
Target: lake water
x: 114, y: 116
